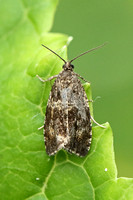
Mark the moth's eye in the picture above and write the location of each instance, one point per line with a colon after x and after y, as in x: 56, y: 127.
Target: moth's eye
x: 63, y: 66
x: 72, y: 66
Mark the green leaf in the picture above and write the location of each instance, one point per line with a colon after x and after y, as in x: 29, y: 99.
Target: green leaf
x: 26, y: 171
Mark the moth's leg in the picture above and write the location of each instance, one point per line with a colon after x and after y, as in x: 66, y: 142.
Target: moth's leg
x: 41, y: 127
x: 49, y: 79
x: 90, y: 100
x: 97, y: 122
x: 98, y: 97
x: 82, y: 78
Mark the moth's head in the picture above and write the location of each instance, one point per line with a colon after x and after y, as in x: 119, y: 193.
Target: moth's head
x: 68, y: 66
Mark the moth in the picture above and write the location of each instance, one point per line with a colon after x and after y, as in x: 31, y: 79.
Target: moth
x: 68, y: 121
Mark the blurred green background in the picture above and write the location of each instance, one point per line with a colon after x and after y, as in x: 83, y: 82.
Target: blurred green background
x: 110, y: 69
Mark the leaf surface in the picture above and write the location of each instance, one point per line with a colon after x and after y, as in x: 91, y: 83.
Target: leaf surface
x: 26, y: 171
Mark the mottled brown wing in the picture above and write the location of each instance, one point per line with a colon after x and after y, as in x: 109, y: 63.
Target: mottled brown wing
x: 67, y: 123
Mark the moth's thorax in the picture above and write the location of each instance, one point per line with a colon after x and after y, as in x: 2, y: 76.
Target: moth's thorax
x: 68, y: 66
x: 66, y: 79
x: 66, y: 75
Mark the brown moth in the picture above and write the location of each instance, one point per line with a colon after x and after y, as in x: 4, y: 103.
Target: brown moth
x: 68, y: 120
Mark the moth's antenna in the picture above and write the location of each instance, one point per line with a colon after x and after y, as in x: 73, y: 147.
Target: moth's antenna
x: 87, y: 52
x: 54, y: 53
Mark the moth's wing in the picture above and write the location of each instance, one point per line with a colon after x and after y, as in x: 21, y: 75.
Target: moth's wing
x: 67, y: 122
x: 55, y: 130
x: 79, y: 120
